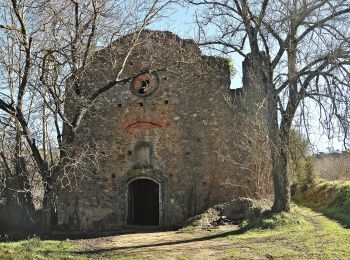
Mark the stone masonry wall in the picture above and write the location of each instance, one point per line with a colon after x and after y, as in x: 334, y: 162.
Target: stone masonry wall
x: 180, y: 134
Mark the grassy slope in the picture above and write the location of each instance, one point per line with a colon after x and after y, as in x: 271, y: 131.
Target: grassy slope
x: 316, y: 237
x: 303, y: 234
x: 329, y: 197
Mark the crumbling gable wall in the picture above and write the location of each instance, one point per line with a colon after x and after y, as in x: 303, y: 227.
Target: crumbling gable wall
x: 175, y: 124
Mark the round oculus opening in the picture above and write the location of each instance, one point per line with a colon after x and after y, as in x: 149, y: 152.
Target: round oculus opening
x: 144, y: 84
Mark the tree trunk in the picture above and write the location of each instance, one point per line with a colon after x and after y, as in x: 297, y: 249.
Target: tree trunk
x: 21, y: 184
x: 51, y: 183
x: 45, y: 227
x: 281, y: 180
x: 278, y: 138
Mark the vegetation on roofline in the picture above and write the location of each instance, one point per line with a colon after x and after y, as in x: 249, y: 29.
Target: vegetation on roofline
x: 231, y: 67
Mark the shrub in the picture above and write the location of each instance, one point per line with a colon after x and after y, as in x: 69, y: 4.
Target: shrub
x: 301, y: 163
x: 273, y: 221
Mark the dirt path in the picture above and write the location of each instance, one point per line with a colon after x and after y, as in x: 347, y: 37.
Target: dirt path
x: 317, y: 239
x: 165, y: 245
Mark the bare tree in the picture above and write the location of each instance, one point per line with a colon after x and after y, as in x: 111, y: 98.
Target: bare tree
x: 46, y: 47
x: 334, y: 166
x: 300, y: 53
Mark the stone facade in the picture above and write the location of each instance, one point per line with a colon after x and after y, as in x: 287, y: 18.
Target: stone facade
x: 175, y: 125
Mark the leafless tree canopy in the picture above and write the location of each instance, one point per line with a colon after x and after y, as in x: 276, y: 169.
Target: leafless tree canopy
x: 300, y: 50
x: 45, y: 48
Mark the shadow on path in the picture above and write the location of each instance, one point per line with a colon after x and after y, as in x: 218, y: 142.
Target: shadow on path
x: 105, y: 250
x: 56, y: 235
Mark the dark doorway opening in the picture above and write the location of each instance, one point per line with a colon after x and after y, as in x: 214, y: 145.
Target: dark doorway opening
x: 143, y: 203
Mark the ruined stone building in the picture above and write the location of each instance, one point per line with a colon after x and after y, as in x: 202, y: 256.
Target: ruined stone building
x: 165, y: 139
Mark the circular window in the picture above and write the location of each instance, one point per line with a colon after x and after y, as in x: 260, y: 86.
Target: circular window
x: 144, y: 84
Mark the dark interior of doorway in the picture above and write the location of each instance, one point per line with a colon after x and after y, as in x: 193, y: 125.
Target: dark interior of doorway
x: 143, y: 203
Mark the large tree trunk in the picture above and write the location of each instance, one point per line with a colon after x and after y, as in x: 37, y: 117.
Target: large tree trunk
x: 22, y: 185
x: 280, y: 179
x: 279, y: 135
x: 46, y: 225
x: 278, y: 138
x: 51, y: 183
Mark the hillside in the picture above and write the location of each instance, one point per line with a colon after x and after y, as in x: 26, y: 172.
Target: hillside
x: 329, y: 197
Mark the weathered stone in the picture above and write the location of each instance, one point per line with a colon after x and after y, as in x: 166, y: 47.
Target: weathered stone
x: 161, y: 129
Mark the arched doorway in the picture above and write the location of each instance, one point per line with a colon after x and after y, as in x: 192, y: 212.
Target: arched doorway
x: 143, y: 202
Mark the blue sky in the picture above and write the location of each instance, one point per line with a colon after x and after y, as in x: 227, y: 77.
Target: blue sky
x: 181, y: 22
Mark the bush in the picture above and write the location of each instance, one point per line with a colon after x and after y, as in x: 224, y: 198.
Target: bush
x: 273, y: 221
x: 301, y: 163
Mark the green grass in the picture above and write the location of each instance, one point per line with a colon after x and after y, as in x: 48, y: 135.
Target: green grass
x: 273, y: 221
x: 312, y: 236
x: 301, y: 234
x: 329, y: 197
x: 35, y: 248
